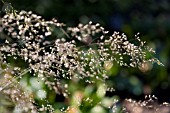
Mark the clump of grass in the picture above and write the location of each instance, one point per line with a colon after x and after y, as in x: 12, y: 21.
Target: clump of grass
x: 55, y: 53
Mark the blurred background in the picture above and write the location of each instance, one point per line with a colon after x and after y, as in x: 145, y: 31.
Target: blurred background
x: 151, y: 18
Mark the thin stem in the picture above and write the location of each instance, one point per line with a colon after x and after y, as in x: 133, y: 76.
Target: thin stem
x: 64, y: 32
x: 21, y: 74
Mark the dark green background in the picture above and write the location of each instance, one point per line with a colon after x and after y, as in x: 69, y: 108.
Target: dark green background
x: 151, y: 18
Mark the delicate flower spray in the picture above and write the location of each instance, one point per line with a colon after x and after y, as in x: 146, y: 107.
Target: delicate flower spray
x: 57, y: 54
